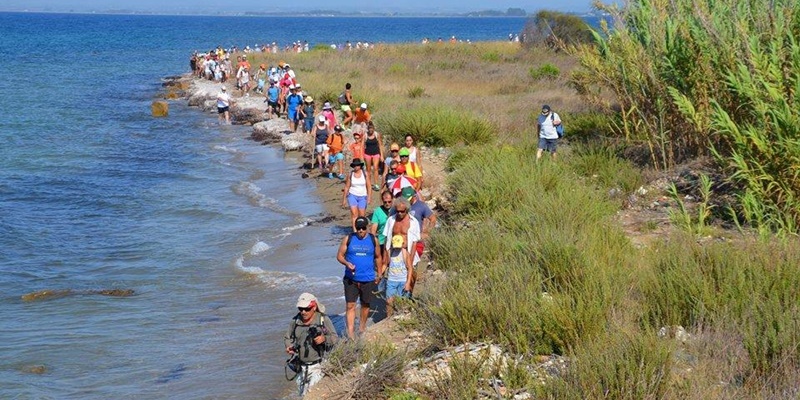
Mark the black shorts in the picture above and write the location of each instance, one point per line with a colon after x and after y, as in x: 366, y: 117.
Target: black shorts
x: 222, y: 110
x: 364, y: 291
x: 273, y: 104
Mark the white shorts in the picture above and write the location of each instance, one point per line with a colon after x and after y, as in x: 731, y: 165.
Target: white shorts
x: 321, y: 148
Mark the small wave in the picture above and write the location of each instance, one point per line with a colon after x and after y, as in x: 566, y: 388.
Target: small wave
x: 301, y: 225
x: 226, y: 149
x: 273, y: 279
x: 259, y: 248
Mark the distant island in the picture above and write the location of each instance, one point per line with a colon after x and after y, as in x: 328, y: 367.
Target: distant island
x: 510, y: 12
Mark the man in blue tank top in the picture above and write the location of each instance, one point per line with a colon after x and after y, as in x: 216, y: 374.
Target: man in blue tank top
x: 358, y: 253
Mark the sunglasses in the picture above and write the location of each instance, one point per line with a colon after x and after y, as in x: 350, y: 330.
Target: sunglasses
x: 307, y: 309
x: 545, y: 111
x: 360, y: 229
x: 387, y: 201
x: 401, y: 211
x: 395, y: 151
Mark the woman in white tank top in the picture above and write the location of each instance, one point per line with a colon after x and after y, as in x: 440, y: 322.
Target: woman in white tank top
x: 413, y: 155
x: 357, y: 191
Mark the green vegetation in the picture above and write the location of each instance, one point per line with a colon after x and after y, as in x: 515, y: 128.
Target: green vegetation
x: 546, y: 71
x: 718, y: 78
x: 556, y: 30
x: 537, y: 262
x: 437, y: 126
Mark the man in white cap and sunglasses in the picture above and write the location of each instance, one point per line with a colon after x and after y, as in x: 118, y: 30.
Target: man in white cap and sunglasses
x: 309, y: 337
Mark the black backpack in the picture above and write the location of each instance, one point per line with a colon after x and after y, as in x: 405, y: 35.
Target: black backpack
x: 343, y: 99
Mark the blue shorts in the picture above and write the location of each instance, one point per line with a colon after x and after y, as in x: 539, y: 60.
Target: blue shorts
x: 548, y: 144
x: 394, y: 289
x: 309, y: 123
x: 292, y: 114
x: 335, y: 157
x: 357, y: 201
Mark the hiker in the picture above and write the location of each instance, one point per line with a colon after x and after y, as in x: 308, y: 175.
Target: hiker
x: 548, y: 133
x: 307, y: 114
x: 310, y: 337
x: 260, y: 78
x: 320, y: 134
x: 273, y: 95
x: 362, y: 118
x: 404, y: 224
x: 373, y: 155
x: 224, y: 101
x: 357, y: 147
x: 293, y: 102
x: 399, y: 269
x: 394, y: 171
x: 243, y: 77
x: 412, y: 169
x: 345, y: 100
x: 327, y: 111
x: 335, y: 153
x: 378, y: 222
x: 358, y: 253
x: 426, y: 219
x: 394, y: 150
x: 413, y: 152
x: 357, y: 191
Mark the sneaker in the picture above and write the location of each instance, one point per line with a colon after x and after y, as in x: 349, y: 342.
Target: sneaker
x: 330, y: 175
x: 341, y: 176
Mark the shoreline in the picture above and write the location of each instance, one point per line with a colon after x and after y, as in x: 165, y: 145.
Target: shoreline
x: 249, y: 111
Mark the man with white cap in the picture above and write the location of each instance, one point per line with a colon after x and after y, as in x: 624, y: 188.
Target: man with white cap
x: 223, y: 105
x: 309, y: 337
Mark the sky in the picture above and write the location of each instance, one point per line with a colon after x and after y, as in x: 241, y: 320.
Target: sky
x: 212, y: 6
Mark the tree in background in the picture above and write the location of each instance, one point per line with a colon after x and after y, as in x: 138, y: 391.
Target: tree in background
x: 556, y: 30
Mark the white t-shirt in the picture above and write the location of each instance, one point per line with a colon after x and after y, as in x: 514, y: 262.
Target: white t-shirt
x: 223, y: 100
x: 548, y: 129
x: 414, y: 235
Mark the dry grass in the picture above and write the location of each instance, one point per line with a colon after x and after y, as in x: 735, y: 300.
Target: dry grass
x: 491, y: 80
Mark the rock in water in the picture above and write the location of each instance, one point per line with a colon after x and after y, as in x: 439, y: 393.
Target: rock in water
x: 160, y: 108
x: 46, y: 294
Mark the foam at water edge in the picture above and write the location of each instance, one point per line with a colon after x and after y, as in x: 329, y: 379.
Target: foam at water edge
x: 226, y: 149
x: 301, y: 225
x: 258, y: 248
x: 273, y: 279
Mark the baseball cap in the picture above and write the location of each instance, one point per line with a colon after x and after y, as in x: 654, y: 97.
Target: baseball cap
x: 321, y: 118
x: 362, y: 222
x: 545, y: 107
x: 404, y: 152
x: 224, y: 89
x: 338, y: 128
x: 363, y: 106
x: 408, y: 192
x: 394, y: 147
x: 397, y: 241
x: 305, y: 300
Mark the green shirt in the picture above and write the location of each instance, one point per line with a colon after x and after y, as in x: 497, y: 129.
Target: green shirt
x: 379, y: 217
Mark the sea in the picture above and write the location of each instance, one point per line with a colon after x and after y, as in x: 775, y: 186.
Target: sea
x: 213, y: 232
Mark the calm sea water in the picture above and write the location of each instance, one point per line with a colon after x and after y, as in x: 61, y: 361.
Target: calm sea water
x: 206, y: 226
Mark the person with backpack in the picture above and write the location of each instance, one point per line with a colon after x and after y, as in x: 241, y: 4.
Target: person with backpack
x: 345, y: 100
x: 550, y: 130
x: 293, y: 103
x: 335, y: 144
x: 359, y: 254
x: 357, y: 192
x: 310, y: 336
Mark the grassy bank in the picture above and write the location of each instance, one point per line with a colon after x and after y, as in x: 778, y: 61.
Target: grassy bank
x: 534, y: 256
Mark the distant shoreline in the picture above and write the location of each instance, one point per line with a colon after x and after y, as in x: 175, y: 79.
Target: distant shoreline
x: 283, y: 15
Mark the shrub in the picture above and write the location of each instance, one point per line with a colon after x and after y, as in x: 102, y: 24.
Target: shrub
x: 416, y: 92
x: 601, y: 165
x: 556, y: 30
x: 397, y: 69
x: 546, y: 71
x: 492, y: 56
x: 617, y: 366
x: 437, y: 126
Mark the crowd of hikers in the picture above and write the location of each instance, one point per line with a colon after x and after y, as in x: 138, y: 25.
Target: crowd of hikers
x: 381, y: 253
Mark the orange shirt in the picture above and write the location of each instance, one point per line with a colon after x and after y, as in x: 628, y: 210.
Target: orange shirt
x: 362, y: 116
x: 335, y: 142
x: 357, y: 149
